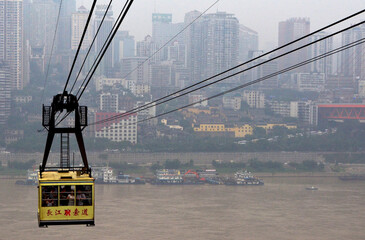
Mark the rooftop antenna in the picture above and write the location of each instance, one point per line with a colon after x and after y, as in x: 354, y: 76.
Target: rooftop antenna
x: 155, y: 6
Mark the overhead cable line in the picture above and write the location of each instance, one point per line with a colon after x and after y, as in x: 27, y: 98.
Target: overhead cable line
x: 50, y: 57
x: 182, y: 30
x: 80, y: 44
x: 104, y: 48
x: 158, y: 102
x: 92, y: 43
x: 327, y: 54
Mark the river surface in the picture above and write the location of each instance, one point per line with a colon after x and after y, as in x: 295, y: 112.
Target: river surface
x: 281, y: 209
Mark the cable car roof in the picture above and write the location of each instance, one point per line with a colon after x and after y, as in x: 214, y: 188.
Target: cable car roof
x: 67, y: 176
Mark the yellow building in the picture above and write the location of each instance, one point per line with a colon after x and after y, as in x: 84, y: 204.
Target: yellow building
x: 242, y: 131
x: 210, y: 128
x: 239, y: 131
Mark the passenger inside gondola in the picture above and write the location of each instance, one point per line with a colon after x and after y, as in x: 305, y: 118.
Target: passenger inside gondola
x: 49, y: 196
x: 71, y: 199
x: 63, y: 196
x: 80, y: 198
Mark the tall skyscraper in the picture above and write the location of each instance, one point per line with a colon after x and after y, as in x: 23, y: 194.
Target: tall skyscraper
x: 124, y: 46
x: 323, y: 65
x: 291, y: 30
x: 107, y: 62
x: 353, y: 59
x: 38, y: 40
x: 193, y: 45
x: 78, y: 22
x: 5, y: 93
x: 248, y: 43
x: 64, y: 27
x: 163, y: 30
x: 11, y: 40
x: 214, y: 44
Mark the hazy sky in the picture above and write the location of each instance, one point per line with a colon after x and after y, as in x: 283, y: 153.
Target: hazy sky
x: 260, y: 15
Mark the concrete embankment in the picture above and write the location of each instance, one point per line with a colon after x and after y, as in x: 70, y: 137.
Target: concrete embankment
x: 198, y: 157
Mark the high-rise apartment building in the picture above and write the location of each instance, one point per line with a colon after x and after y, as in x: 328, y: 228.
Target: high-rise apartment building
x: 124, y: 46
x: 43, y: 14
x: 107, y: 61
x: 64, y: 27
x: 11, y: 40
x: 248, y: 43
x: 192, y: 48
x: 214, y: 44
x: 5, y: 94
x: 291, y: 30
x: 353, y: 59
x: 323, y: 65
x: 78, y: 22
x: 163, y: 30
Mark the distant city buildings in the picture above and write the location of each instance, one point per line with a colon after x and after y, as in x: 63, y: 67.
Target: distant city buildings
x: 291, y: 30
x: 11, y: 41
x: 135, y: 72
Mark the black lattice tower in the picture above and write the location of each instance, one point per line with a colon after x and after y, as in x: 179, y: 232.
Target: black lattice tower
x: 69, y: 103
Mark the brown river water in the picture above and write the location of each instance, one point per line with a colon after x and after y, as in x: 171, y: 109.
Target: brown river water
x: 281, y: 209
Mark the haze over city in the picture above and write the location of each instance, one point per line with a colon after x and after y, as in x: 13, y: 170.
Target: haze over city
x: 209, y: 119
x: 262, y: 15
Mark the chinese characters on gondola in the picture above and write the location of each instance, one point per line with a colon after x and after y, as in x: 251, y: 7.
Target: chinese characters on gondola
x: 67, y: 212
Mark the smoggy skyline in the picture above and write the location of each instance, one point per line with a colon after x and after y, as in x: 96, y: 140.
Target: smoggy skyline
x: 262, y: 16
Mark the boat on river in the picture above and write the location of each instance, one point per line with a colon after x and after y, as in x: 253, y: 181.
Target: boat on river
x: 244, y: 178
x: 312, y: 188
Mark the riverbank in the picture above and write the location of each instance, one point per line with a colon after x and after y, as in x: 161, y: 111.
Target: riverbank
x: 258, y: 174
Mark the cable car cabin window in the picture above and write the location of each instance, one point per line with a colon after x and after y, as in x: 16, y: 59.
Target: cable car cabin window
x: 83, y: 195
x: 67, y: 195
x: 49, y: 196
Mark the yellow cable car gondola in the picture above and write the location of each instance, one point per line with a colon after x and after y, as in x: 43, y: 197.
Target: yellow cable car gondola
x: 65, y: 197
x: 65, y: 194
